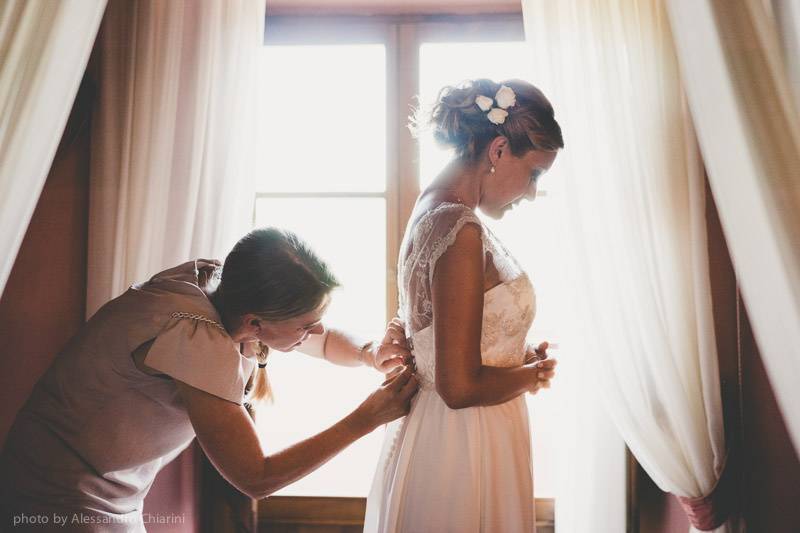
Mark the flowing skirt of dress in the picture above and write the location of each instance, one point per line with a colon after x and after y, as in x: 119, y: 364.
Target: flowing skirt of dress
x: 456, y: 471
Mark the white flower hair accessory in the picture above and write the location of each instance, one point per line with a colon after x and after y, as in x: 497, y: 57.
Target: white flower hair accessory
x: 484, y: 102
x: 505, y: 98
x: 497, y: 115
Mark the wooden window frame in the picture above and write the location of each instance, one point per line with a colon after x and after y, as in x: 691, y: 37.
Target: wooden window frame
x: 402, y: 36
x: 286, y: 513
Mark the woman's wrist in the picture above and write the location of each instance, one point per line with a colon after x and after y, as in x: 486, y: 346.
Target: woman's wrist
x: 358, y: 423
x: 365, y: 355
x: 534, y: 374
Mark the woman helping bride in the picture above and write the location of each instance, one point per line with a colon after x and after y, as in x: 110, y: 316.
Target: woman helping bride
x: 461, y: 460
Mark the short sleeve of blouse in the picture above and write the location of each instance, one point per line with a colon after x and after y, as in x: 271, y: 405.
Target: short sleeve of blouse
x: 196, y: 351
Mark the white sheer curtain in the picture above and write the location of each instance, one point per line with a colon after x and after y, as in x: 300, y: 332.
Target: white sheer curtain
x: 749, y: 132
x: 172, y: 144
x: 44, y: 48
x: 634, y: 244
x: 786, y: 14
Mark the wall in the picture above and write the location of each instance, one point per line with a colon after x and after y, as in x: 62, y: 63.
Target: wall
x: 772, y: 495
x: 43, y: 302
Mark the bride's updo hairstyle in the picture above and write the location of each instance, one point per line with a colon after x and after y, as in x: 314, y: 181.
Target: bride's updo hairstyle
x: 274, y: 275
x: 458, y: 122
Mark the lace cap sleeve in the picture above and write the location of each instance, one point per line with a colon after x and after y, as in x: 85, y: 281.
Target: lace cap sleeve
x: 445, y: 224
x: 197, y: 351
x: 435, y: 233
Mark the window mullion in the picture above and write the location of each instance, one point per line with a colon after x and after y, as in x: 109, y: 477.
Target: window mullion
x: 392, y: 168
x: 408, y: 148
x: 402, y: 181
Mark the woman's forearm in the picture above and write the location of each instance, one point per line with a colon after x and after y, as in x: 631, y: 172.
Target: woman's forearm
x: 344, y: 349
x: 389, y: 402
x: 490, y: 386
x: 499, y: 384
x: 230, y: 440
x: 336, y: 346
x: 299, y: 460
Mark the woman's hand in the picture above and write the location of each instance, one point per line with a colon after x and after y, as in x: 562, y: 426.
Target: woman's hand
x: 392, y: 400
x: 393, y: 350
x: 536, y: 353
x: 538, y: 357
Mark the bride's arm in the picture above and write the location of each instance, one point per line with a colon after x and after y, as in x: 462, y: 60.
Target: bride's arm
x: 461, y: 378
x: 344, y: 349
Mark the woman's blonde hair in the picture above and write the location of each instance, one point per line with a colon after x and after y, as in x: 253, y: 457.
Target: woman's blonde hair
x: 263, y: 390
x: 274, y: 275
x: 458, y: 122
x: 259, y: 381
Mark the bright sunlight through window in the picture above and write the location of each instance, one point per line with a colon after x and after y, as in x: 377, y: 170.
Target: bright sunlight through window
x: 325, y: 177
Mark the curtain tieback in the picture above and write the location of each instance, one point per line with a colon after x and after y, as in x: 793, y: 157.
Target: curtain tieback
x: 709, y: 512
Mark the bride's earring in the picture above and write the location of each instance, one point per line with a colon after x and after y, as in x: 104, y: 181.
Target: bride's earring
x: 491, y: 170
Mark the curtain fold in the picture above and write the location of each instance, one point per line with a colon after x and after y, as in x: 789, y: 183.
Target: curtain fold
x: 634, y: 243
x: 173, y: 140
x: 173, y: 147
x: 786, y: 14
x: 44, y: 48
x: 748, y: 127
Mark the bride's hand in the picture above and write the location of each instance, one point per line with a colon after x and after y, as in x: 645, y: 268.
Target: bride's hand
x: 393, y: 350
x: 537, y: 353
x: 539, y: 358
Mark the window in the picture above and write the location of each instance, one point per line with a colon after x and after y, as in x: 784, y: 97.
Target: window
x: 325, y: 179
x: 342, y: 170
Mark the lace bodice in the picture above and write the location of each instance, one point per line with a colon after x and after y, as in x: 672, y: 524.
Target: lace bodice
x: 508, y: 308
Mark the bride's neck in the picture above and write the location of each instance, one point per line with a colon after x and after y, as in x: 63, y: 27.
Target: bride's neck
x: 459, y: 182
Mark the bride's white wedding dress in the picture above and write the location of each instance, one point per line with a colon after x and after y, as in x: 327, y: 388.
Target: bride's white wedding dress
x: 465, y: 470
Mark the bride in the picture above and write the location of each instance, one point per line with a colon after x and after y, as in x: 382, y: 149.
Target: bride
x: 461, y: 461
